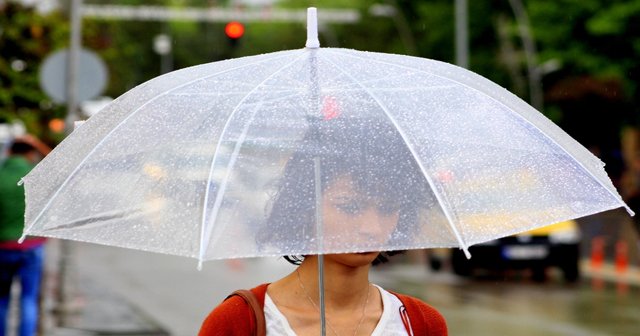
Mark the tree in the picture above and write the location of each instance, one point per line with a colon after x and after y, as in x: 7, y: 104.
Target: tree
x: 595, y: 92
x: 595, y: 39
x: 26, y: 38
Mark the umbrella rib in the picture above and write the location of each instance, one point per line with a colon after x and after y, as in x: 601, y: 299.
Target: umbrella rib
x: 228, y: 93
x: 122, y: 122
x: 441, y: 199
x: 205, y: 234
x: 592, y: 174
x: 386, y: 89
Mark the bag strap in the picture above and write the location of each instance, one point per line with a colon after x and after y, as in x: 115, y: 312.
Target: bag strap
x: 258, y: 311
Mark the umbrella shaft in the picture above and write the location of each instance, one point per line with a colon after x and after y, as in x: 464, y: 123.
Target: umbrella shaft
x: 321, y: 293
x: 318, y: 192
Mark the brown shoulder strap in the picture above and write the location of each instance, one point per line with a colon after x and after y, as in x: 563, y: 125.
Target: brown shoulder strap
x: 258, y: 312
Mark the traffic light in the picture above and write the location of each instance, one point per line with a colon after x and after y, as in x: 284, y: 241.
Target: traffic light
x: 234, y: 30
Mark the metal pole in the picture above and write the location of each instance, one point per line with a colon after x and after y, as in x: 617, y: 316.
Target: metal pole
x: 214, y: 14
x: 162, y: 46
x: 72, y: 63
x: 167, y: 63
x: 319, y: 231
x: 312, y: 44
x: 535, y: 81
x: 462, y: 33
x: 66, y: 249
x: 402, y: 25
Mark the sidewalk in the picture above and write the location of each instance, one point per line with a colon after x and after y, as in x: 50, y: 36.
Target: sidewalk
x: 95, y: 308
x: 120, y: 291
x: 609, y: 273
x: 100, y: 311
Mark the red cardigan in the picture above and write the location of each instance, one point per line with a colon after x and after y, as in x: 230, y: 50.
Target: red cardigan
x: 231, y: 316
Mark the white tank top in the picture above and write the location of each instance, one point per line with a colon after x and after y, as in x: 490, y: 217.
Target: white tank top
x: 390, y: 323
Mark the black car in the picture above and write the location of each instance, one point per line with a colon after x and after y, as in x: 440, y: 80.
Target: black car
x: 551, y: 246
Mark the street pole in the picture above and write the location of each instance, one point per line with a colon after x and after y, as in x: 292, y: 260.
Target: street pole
x: 72, y: 63
x: 65, y: 263
x: 214, y: 14
x: 162, y: 47
x: 462, y: 33
x: 404, y: 29
x: 393, y: 11
x: 536, y: 97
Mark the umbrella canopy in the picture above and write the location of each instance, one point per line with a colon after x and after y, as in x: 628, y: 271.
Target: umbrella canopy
x: 229, y: 159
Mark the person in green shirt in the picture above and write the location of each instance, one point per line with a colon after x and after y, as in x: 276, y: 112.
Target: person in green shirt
x: 19, y: 261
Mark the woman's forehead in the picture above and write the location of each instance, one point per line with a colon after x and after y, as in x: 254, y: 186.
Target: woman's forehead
x: 345, y: 187
x: 341, y: 187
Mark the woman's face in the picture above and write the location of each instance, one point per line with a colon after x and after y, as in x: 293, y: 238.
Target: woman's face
x: 354, y: 219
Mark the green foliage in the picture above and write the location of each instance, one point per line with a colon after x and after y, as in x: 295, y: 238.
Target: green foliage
x: 26, y: 38
x: 598, y: 39
x: 595, y: 93
x: 127, y: 49
x: 614, y: 20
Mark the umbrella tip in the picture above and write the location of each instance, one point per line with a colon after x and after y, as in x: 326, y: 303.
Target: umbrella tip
x: 629, y: 211
x: 22, y: 238
x: 466, y: 252
x: 200, y: 265
x: 312, y: 28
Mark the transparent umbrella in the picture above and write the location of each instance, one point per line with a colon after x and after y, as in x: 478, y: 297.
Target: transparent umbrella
x: 190, y: 162
x: 231, y: 159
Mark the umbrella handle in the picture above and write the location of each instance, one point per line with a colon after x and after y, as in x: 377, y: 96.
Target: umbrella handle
x: 323, y: 318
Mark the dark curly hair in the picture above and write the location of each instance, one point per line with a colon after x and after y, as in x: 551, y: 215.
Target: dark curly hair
x: 371, y: 152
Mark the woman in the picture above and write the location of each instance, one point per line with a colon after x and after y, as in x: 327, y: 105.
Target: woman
x: 366, y: 173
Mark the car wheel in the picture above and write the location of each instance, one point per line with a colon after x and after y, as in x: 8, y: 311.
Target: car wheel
x: 539, y: 274
x: 568, y: 262
x: 435, y: 264
x: 460, y: 264
x: 571, y: 272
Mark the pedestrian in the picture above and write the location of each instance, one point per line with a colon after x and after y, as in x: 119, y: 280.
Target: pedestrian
x: 23, y: 261
x: 366, y: 172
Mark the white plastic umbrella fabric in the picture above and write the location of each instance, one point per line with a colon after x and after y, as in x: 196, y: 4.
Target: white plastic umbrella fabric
x: 217, y: 161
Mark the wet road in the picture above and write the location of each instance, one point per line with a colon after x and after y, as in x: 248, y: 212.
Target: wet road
x: 517, y: 306
x: 175, y: 295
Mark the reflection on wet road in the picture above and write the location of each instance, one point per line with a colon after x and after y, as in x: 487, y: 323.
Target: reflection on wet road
x: 172, y: 292
x: 520, y: 307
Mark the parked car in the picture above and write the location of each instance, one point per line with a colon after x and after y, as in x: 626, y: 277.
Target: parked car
x: 555, y: 245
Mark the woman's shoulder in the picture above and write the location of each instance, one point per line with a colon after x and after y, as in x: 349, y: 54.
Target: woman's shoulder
x: 416, y: 303
x: 233, y: 316
x: 424, y: 317
x: 228, y: 318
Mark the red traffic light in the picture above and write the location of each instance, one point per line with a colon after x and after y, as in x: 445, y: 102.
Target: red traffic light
x: 234, y: 30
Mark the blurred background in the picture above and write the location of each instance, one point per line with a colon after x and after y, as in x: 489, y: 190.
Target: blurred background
x: 575, y: 61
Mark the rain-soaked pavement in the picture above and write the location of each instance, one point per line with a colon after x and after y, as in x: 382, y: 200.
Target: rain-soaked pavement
x: 518, y: 306
x: 129, y: 292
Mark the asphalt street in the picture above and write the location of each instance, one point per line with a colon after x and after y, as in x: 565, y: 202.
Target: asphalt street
x: 126, y: 292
